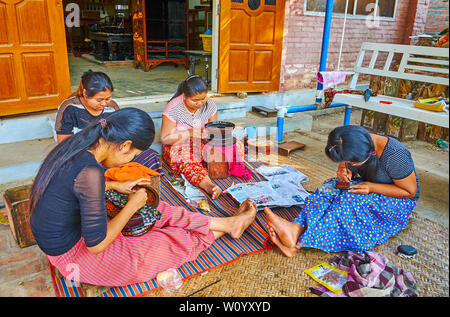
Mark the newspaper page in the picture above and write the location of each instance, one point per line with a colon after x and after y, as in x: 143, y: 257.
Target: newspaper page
x: 282, y: 172
x: 269, y: 193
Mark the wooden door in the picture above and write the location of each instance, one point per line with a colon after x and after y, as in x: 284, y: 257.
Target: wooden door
x: 33, y: 56
x: 250, y: 45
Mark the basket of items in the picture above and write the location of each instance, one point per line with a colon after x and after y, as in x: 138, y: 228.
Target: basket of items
x: 207, y: 41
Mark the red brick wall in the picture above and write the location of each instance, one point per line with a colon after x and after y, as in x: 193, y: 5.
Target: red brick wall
x: 437, y: 18
x: 303, y: 39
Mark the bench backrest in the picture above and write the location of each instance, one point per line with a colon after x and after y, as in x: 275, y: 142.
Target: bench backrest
x: 432, y: 62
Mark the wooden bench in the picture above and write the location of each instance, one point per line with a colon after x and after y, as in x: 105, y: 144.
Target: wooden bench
x: 417, y: 63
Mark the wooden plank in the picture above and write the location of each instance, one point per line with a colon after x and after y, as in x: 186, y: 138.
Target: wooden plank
x: 265, y: 111
x: 409, y: 49
x: 429, y: 61
x: 358, y: 64
x: 399, y: 107
x: 428, y: 69
x: 408, y: 76
x: 403, y: 63
x: 373, y: 60
x: 286, y: 148
x: 388, y: 62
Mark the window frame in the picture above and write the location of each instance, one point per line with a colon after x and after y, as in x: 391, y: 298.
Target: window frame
x: 353, y: 15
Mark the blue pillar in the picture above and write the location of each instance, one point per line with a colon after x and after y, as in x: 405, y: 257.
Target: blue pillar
x: 325, y: 42
x: 348, y: 113
x: 280, y: 124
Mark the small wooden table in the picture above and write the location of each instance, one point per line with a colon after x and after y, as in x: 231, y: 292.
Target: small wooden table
x: 109, y: 39
x: 193, y: 57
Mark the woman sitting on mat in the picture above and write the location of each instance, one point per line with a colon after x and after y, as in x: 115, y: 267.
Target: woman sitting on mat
x: 90, y: 103
x: 183, y: 119
x: 383, y: 192
x: 69, y: 219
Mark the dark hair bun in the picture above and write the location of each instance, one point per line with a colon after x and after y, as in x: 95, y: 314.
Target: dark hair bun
x: 85, y: 74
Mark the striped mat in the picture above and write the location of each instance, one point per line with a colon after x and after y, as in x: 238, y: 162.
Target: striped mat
x: 223, y: 251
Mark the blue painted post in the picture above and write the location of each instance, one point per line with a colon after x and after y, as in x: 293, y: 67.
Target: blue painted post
x: 280, y: 124
x: 348, y: 113
x: 325, y: 42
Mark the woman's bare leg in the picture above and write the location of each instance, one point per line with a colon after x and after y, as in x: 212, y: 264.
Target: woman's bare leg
x: 287, y: 232
x: 235, y: 225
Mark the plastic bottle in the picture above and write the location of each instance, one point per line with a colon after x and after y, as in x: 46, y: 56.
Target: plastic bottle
x: 442, y: 144
x: 170, y: 280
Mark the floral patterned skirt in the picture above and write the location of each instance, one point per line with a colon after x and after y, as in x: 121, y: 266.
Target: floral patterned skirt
x: 186, y: 158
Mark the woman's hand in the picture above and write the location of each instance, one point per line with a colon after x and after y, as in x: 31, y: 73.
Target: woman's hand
x: 126, y: 187
x: 360, y: 188
x: 343, y: 173
x: 138, y: 198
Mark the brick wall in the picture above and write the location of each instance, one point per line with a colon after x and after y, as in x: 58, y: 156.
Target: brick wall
x: 437, y: 18
x: 303, y: 39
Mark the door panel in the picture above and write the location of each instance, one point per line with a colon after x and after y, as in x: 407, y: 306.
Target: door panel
x: 33, y: 56
x: 250, y: 45
x: 8, y: 87
x: 33, y: 22
x: 239, y: 60
x: 263, y: 69
x: 39, y: 72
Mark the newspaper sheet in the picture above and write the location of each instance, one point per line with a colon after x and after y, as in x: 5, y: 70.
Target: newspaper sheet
x: 283, y: 172
x: 269, y: 193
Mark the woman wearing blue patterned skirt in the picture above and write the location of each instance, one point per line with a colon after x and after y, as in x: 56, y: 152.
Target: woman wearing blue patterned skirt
x: 383, y: 192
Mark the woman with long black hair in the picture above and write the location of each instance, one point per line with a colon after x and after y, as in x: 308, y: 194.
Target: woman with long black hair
x: 69, y: 220
x: 383, y: 189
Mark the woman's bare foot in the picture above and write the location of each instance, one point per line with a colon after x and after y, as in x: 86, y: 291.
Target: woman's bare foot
x: 242, y: 221
x: 210, y: 188
x: 286, y: 231
x: 216, y: 192
x: 245, y: 205
x: 288, y: 251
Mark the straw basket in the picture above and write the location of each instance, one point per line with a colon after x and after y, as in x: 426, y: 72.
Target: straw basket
x: 207, y: 42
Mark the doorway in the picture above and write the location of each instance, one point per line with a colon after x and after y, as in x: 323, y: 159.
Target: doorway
x: 130, y: 79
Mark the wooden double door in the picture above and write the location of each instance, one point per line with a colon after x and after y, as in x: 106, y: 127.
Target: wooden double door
x: 34, y: 70
x: 250, y: 45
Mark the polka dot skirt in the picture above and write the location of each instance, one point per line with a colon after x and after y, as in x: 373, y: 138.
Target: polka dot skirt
x: 351, y: 222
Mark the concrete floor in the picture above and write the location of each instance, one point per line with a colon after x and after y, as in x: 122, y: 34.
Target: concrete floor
x: 131, y: 82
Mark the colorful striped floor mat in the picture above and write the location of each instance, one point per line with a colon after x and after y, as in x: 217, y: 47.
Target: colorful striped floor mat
x: 222, y: 252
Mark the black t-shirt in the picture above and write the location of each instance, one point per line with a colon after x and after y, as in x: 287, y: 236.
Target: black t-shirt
x: 73, y: 117
x: 394, y: 163
x: 72, y: 206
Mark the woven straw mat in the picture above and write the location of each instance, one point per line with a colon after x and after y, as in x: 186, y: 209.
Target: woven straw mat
x: 270, y: 273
